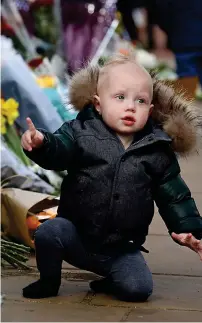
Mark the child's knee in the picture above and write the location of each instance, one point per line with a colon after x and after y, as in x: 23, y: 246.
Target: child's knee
x: 134, y: 291
x: 54, y: 230
x: 48, y: 230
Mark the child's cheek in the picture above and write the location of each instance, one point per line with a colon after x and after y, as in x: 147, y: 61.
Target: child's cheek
x: 143, y: 119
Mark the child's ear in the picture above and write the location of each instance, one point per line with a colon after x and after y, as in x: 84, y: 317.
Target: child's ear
x: 97, y: 103
x: 151, y: 109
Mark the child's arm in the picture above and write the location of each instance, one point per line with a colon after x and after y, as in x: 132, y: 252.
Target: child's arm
x: 176, y: 206
x: 50, y: 151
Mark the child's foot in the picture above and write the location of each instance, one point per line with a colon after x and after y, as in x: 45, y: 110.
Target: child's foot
x: 101, y: 286
x: 42, y: 288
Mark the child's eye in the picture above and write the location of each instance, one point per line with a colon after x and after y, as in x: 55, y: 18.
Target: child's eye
x: 120, y: 97
x: 141, y: 101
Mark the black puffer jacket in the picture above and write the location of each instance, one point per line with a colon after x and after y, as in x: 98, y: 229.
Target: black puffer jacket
x: 109, y: 192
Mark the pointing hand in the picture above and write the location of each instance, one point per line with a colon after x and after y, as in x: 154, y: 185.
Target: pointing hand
x: 32, y: 138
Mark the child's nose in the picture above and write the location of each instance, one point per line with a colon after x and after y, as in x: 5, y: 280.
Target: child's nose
x: 131, y: 107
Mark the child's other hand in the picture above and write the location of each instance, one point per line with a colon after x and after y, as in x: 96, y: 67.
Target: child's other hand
x: 32, y: 138
x: 188, y: 240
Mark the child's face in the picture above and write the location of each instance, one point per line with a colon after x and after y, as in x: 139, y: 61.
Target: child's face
x: 124, y: 98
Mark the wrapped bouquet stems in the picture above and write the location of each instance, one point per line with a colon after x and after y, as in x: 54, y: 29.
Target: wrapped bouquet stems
x: 15, y: 254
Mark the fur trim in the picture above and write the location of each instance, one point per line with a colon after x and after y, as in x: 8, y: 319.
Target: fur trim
x: 180, y: 119
x: 83, y: 87
x: 178, y: 116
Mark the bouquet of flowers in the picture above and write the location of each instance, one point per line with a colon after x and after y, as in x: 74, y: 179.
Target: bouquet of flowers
x: 9, y: 113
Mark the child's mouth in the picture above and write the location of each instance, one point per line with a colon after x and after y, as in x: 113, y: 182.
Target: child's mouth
x: 128, y: 121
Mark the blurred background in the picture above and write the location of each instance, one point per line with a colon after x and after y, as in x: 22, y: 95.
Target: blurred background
x: 43, y: 42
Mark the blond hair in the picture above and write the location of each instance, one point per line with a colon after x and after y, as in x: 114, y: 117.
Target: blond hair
x: 118, y: 59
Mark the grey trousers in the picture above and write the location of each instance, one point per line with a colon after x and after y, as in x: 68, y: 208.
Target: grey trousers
x: 57, y: 240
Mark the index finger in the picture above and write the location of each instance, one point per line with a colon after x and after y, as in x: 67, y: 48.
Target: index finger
x: 30, y: 124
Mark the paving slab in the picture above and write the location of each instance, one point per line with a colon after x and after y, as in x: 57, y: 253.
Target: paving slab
x: 158, y: 226
x: 174, y: 299
x: 191, y: 164
x: 45, y: 312
x: 70, y: 292
x: 194, y: 181
x: 159, y: 315
x: 167, y: 257
x: 170, y: 292
x: 191, y: 172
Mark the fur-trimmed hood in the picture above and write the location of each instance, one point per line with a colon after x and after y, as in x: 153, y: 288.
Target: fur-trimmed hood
x: 179, y: 118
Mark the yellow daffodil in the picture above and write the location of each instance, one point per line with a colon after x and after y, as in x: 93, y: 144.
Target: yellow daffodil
x: 3, y: 125
x: 46, y: 81
x: 9, y: 112
x: 9, y: 109
x: 2, y: 102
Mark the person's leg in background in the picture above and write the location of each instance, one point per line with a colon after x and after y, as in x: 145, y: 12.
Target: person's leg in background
x: 189, y: 65
x: 137, y: 29
x: 186, y: 64
x: 151, y: 21
x: 126, y: 8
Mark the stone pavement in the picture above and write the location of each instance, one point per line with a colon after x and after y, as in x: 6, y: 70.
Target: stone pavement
x: 177, y: 273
